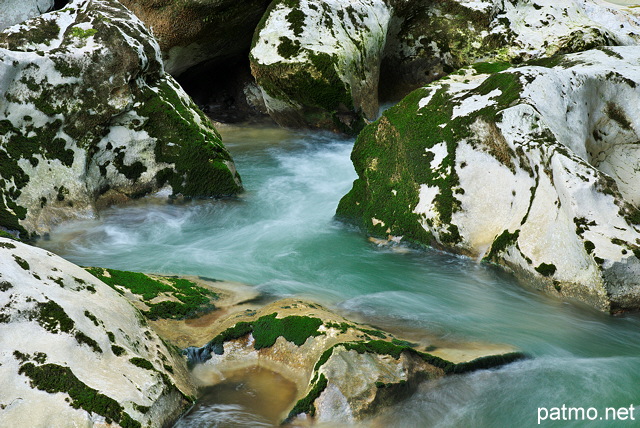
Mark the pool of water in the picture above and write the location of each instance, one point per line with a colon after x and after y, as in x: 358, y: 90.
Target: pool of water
x: 281, y: 237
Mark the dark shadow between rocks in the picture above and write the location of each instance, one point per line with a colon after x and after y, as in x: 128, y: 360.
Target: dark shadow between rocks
x: 225, y: 90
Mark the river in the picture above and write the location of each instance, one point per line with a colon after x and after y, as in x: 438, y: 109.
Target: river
x: 281, y: 237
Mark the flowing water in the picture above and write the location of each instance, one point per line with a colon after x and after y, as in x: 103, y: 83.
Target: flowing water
x: 281, y: 237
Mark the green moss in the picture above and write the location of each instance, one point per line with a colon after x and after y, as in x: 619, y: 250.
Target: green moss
x: 403, y: 343
x: 52, y: 317
x: 296, y: 21
x: 288, y: 48
x: 21, y: 262
x: 490, y: 67
x: 193, y: 299
x: 42, y: 31
x: 142, y: 363
x: 305, y: 405
x: 547, y: 62
x: 343, y: 326
x: 267, y: 329
x: 53, y: 378
x: 82, y: 33
x: 393, y: 158
x: 92, y: 318
x: 142, y: 409
x: 610, y: 52
x: 546, y: 269
x: 7, y: 245
x: 82, y: 338
x: 589, y: 246
x: 293, y: 328
x: 502, y: 243
x: 138, y: 283
x: 196, y: 153
x: 488, y: 362
x: 375, y: 333
x: 66, y: 67
x: 616, y: 113
x: 7, y: 235
x: 5, y: 285
x: 237, y: 331
x: 133, y: 171
x: 118, y: 350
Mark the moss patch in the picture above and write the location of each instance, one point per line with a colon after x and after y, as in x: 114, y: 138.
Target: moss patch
x: 392, y: 158
x: 502, y: 243
x: 193, y: 300
x: 53, y: 378
x: 267, y: 329
x: 545, y: 269
x: 196, y: 152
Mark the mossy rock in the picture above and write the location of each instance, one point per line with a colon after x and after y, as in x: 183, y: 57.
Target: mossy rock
x: 318, y: 63
x: 99, y: 120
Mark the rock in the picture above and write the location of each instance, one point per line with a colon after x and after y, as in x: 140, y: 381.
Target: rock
x: 14, y: 11
x: 73, y: 352
x: 181, y: 309
x: 343, y: 370
x: 317, y: 63
x: 531, y: 167
x: 193, y: 31
x: 320, y: 65
x: 429, y: 40
x: 88, y: 117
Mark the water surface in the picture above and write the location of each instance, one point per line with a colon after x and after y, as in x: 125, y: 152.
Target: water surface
x: 281, y: 237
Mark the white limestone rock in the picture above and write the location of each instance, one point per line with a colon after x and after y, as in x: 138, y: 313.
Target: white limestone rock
x: 343, y: 371
x: 88, y: 117
x: 317, y: 63
x: 73, y: 351
x: 534, y: 167
x: 428, y: 40
x: 16, y: 11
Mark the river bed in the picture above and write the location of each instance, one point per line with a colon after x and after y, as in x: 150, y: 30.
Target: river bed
x: 280, y: 236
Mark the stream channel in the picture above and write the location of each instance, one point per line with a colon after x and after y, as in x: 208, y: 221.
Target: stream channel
x: 281, y: 237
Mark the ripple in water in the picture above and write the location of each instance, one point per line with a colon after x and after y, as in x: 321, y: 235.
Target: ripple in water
x: 281, y: 237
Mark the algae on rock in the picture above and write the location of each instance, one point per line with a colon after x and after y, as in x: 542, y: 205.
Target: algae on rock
x: 530, y: 167
x: 75, y: 352
x: 334, y: 362
x: 317, y: 63
x: 88, y: 115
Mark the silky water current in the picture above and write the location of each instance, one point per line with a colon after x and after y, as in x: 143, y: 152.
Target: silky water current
x: 281, y: 237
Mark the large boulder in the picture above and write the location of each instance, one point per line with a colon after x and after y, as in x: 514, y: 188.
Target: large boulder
x: 193, y: 31
x: 323, y: 65
x: 343, y: 371
x: 16, y: 11
x: 317, y: 63
x: 427, y: 40
x: 533, y: 167
x: 89, y: 117
x: 74, y: 352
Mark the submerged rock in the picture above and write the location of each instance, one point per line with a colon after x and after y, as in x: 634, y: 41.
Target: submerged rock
x: 317, y: 63
x: 194, y: 31
x: 532, y: 167
x: 343, y: 371
x: 88, y: 117
x: 74, y: 352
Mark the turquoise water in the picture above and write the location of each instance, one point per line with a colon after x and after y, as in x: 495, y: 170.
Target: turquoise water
x: 281, y: 237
